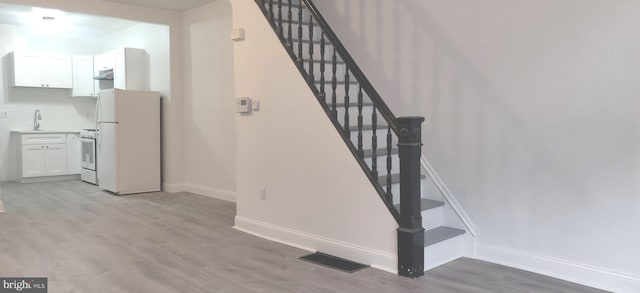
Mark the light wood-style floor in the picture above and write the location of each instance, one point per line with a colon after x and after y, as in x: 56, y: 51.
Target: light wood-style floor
x: 85, y: 240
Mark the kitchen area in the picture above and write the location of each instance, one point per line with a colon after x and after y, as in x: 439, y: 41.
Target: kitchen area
x: 81, y: 102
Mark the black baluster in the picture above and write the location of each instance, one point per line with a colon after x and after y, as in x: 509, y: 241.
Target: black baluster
x: 271, y: 16
x: 280, y: 28
x: 360, y: 122
x: 334, y: 86
x: 311, y: 73
x: 374, y: 143
x: 323, y: 96
x: 300, y: 59
x: 290, y: 29
x: 346, y: 103
x: 389, y: 167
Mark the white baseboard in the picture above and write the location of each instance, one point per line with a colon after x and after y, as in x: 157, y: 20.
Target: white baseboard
x: 173, y: 187
x: 225, y: 195
x: 559, y: 268
x: 310, y: 242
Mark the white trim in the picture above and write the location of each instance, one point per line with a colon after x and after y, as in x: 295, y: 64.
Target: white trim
x: 588, y: 275
x: 220, y: 194
x: 173, y: 188
x: 449, y: 197
x: 69, y: 177
x: 310, y: 242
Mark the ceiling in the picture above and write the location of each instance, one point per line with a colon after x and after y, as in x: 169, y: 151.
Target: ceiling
x: 175, y: 5
x: 20, y: 15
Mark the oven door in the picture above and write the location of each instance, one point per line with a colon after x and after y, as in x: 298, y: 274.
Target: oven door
x: 89, y: 153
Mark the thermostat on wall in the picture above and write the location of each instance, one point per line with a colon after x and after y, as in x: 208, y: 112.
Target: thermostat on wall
x: 243, y: 105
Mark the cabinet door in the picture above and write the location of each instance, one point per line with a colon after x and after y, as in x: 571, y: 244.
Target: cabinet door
x: 120, y: 71
x: 33, y: 161
x: 28, y: 70
x: 74, y: 153
x: 83, y: 83
x: 58, y: 72
x: 55, y: 160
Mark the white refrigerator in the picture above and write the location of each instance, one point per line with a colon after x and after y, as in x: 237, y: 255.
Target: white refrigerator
x: 128, y: 124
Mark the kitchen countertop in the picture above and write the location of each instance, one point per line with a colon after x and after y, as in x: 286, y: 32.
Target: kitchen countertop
x: 44, y: 131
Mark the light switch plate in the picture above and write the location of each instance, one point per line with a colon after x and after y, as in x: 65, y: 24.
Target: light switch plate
x: 4, y: 114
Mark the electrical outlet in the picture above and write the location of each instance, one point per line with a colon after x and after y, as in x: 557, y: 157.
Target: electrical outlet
x: 263, y: 194
x: 4, y: 114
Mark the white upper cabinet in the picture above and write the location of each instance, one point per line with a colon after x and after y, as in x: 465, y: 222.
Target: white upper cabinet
x: 83, y: 83
x: 131, y: 71
x: 38, y: 70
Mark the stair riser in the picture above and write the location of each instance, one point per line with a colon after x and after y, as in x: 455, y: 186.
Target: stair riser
x: 317, y: 32
x: 443, y: 252
x: 328, y: 72
x: 395, y: 189
x: 353, y: 115
x: 367, y: 137
x: 382, y: 163
x: 328, y: 53
x: 340, y: 92
x: 432, y: 218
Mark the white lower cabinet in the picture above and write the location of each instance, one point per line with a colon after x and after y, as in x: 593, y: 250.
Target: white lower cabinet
x: 32, y: 161
x: 55, y: 160
x: 44, y: 160
x: 45, y: 155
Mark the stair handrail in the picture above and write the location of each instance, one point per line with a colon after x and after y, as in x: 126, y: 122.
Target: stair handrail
x: 408, y: 130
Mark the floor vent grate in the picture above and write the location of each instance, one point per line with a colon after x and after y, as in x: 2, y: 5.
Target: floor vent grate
x: 333, y: 262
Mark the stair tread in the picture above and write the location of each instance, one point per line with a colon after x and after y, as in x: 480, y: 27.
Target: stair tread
x: 368, y: 127
x: 298, y: 22
x: 369, y: 153
x: 353, y: 105
x: 308, y: 41
x: 395, y: 178
x: 440, y: 234
x: 426, y: 204
x: 328, y: 62
x: 284, y: 3
x: 329, y: 81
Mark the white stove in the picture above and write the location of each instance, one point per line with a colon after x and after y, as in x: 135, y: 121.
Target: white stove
x: 89, y: 164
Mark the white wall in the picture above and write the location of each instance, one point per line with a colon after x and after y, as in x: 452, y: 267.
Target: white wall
x: 173, y: 112
x: 318, y: 198
x: 155, y: 40
x: 208, y: 89
x: 532, y: 111
x: 59, y: 111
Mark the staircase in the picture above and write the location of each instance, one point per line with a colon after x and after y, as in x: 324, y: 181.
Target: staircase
x: 388, y: 148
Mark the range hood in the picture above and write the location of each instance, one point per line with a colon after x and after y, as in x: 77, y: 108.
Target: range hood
x: 106, y: 74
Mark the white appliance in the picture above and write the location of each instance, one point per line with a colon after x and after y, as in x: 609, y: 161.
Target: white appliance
x: 128, y: 125
x: 89, y: 163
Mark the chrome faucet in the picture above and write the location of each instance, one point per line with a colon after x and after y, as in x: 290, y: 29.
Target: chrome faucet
x: 37, y: 116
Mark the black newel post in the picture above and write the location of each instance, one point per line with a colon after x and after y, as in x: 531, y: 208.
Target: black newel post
x: 410, y: 232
